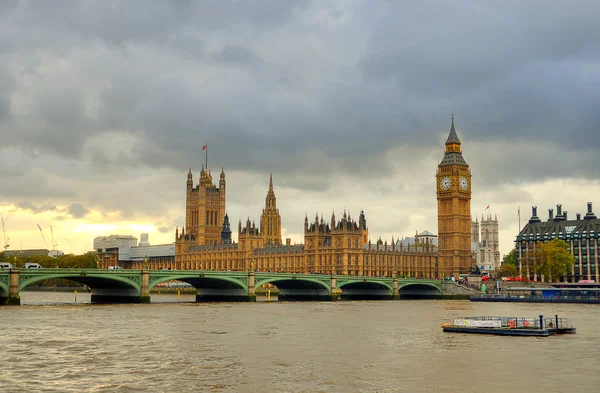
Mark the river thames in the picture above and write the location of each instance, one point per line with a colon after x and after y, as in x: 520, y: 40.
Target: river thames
x: 52, y: 344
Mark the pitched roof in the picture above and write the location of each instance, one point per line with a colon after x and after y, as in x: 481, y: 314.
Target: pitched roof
x: 452, y: 137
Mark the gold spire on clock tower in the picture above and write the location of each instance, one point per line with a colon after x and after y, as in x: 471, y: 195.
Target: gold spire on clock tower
x: 454, y: 209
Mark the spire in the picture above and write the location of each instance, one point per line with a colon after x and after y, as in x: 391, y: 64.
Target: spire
x: 226, y: 231
x: 271, y: 200
x: 453, y: 155
x: 452, y: 137
x: 190, y: 179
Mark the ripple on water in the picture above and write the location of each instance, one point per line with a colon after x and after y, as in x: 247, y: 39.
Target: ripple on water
x: 293, y: 347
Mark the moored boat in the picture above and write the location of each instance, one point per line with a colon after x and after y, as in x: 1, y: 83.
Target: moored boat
x: 510, y: 326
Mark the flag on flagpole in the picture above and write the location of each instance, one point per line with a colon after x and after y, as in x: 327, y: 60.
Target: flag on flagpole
x: 519, y: 211
x: 487, y: 207
x: 205, y: 147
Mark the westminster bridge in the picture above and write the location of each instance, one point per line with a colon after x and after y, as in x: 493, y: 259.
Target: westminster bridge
x: 134, y: 286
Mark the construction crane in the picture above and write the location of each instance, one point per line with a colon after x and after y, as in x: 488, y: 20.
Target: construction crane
x: 52, y: 238
x: 6, y: 240
x: 43, y: 237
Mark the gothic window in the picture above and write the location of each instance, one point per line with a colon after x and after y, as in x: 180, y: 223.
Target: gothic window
x: 207, y: 218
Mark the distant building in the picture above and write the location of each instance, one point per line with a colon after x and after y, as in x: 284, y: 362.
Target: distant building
x: 124, y: 251
x: 27, y: 253
x: 580, y: 234
x: 486, y: 248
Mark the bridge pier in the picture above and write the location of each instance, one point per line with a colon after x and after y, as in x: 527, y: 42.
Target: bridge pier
x: 251, y: 289
x: 335, y: 296
x: 396, y: 294
x: 145, y: 293
x: 13, y: 298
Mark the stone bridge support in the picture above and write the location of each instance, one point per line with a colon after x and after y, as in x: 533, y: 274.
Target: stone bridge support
x: 13, y: 298
x: 251, y: 289
x: 396, y: 294
x: 145, y: 293
x: 334, y: 292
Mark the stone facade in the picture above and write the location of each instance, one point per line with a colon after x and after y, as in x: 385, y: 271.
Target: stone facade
x: 486, y: 249
x: 335, y: 247
x: 205, y: 207
x: 454, y: 209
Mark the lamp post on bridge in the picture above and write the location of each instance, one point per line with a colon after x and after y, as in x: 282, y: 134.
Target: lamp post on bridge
x: 145, y: 267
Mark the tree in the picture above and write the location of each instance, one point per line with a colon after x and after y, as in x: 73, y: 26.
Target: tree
x: 510, y: 258
x: 555, y: 260
x: 508, y: 268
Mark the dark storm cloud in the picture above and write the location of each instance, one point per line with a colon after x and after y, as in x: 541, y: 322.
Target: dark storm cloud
x: 77, y: 210
x: 300, y: 88
x: 28, y: 206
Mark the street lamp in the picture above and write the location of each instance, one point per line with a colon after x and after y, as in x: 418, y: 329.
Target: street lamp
x: 145, y: 262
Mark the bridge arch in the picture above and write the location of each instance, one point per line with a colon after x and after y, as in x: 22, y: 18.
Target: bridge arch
x: 209, y: 287
x: 366, y: 284
x: 196, y: 281
x: 294, y: 287
x: 365, y: 289
x: 3, y: 289
x: 107, y: 286
x: 420, y: 290
x: 92, y: 280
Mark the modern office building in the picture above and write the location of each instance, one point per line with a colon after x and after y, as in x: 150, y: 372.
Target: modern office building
x: 124, y: 251
x: 581, y: 234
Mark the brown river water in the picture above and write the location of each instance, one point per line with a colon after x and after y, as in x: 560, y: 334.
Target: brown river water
x: 52, y: 344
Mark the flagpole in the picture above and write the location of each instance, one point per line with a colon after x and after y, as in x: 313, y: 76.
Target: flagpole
x: 206, y: 156
x: 519, y: 219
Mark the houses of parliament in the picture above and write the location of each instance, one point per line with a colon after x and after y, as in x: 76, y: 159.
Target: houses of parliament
x: 336, y: 245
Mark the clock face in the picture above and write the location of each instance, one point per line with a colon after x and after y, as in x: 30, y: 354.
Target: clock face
x: 445, y: 183
x: 464, y: 183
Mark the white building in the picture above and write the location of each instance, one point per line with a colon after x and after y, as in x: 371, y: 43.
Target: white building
x: 125, y: 251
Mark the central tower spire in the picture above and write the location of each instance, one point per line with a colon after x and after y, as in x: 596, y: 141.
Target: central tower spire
x: 270, y: 221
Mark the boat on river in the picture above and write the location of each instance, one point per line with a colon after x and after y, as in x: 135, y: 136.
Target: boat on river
x: 510, y: 326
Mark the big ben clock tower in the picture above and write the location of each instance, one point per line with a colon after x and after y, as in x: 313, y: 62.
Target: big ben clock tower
x: 454, y: 209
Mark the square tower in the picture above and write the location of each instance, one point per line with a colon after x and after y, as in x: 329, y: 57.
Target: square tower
x: 205, y: 208
x: 454, y: 209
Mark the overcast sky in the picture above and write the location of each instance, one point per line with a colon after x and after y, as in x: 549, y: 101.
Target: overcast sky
x: 104, y: 105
